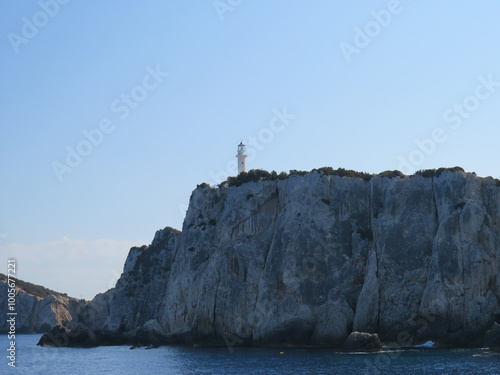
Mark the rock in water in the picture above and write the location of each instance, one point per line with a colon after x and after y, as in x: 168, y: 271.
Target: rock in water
x: 74, y: 335
x: 151, y: 333
x: 362, y: 342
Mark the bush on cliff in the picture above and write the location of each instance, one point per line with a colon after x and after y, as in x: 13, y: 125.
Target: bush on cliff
x: 391, y: 174
x: 255, y: 175
x: 33, y: 289
x: 429, y: 173
x: 341, y: 172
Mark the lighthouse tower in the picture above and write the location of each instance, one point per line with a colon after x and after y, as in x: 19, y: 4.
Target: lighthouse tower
x: 242, y: 164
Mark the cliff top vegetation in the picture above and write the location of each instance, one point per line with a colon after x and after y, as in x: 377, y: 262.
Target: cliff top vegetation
x: 255, y: 175
x: 33, y: 289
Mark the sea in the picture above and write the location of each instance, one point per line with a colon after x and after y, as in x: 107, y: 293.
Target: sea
x: 121, y: 360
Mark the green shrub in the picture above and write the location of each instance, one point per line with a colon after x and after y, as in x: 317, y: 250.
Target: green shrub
x: 429, y: 173
x: 295, y: 172
x: 329, y: 171
x: 255, y: 175
x: 341, y: 172
x: 252, y: 175
x: 283, y: 176
x: 453, y: 169
x: 33, y: 289
x: 426, y: 173
x: 391, y: 174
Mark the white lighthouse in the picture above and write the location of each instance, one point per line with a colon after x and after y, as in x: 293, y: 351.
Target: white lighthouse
x: 242, y: 155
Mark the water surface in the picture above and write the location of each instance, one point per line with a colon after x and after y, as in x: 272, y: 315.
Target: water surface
x: 121, y: 360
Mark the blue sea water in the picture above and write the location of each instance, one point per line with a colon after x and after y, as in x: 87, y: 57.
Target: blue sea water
x: 121, y: 360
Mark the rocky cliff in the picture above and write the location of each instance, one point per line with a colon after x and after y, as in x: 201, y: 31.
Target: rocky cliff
x: 312, y: 257
x: 38, y: 309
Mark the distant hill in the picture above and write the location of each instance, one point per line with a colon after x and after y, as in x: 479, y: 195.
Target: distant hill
x: 38, y: 308
x: 33, y: 289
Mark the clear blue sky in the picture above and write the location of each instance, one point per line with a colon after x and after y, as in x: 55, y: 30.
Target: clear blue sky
x: 358, y: 90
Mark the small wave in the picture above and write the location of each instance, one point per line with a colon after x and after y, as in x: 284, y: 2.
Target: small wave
x: 428, y: 344
x: 364, y: 353
x: 486, y: 353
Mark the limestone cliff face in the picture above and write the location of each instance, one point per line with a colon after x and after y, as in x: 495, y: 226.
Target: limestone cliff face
x: 311, y: 258
x: 37, y: 313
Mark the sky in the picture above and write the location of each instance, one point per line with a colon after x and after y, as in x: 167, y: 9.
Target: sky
x: 113, y: 111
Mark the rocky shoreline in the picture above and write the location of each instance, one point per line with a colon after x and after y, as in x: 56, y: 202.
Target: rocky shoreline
x: 77, y: 335
x: 308, y: 259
